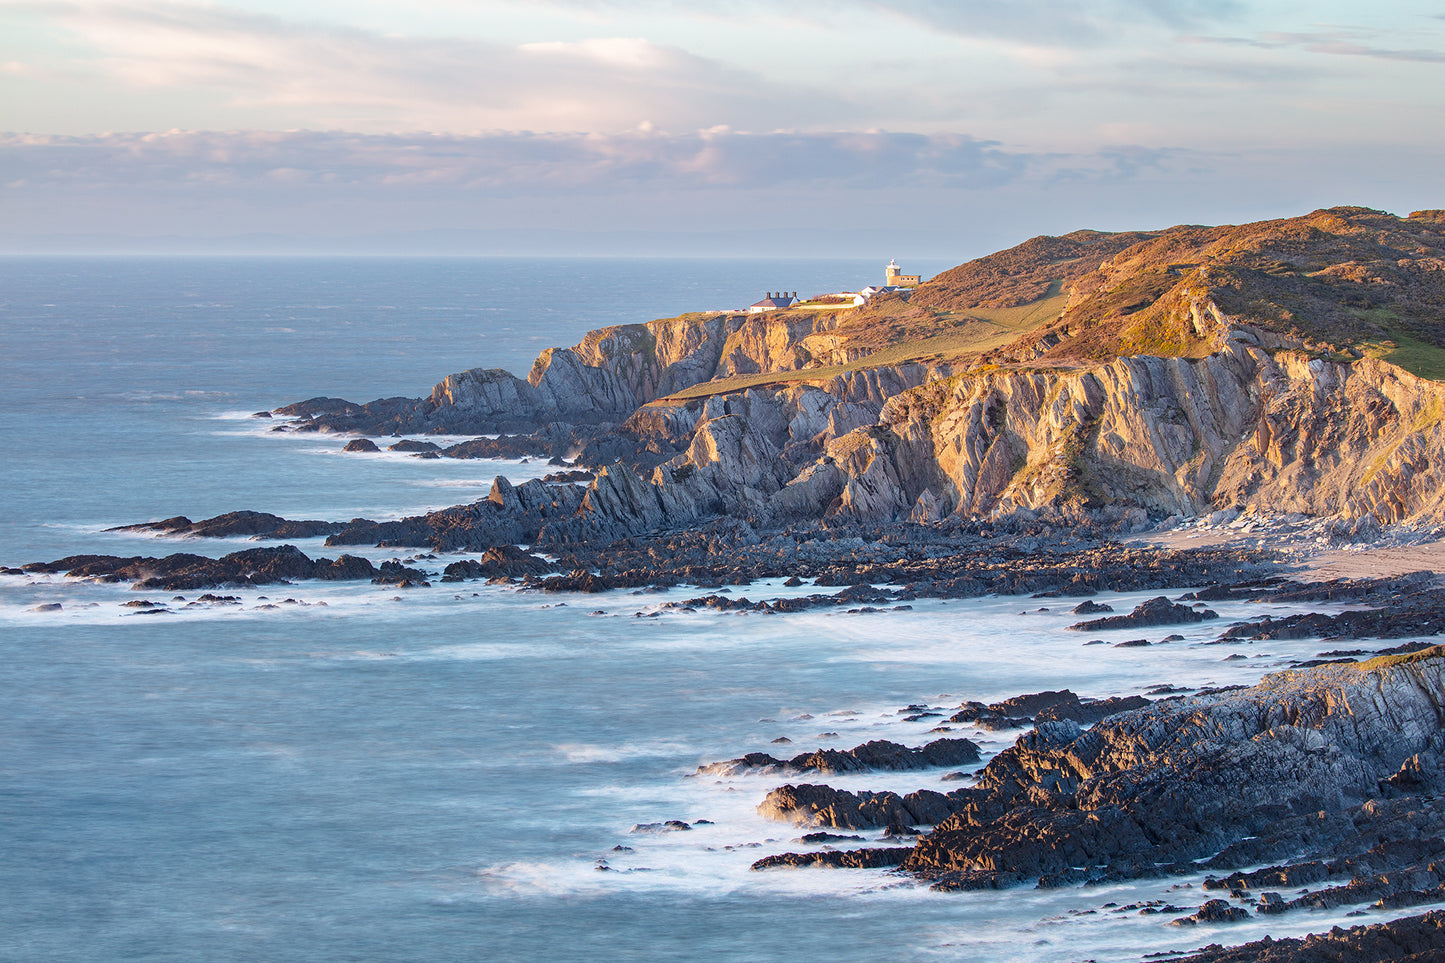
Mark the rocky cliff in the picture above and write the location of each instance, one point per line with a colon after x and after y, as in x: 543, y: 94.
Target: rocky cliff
x: 1279, y: 366
x: 604, y: 379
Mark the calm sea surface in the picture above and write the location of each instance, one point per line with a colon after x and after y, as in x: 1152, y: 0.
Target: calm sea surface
x: 342, y: 772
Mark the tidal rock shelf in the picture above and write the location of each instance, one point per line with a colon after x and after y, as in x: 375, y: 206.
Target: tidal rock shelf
x: 1415, y: 939
x: 1332, y: 778
x: 256, y: 566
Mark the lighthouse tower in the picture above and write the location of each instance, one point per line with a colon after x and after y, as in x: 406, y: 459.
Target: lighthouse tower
x: 896, y: 278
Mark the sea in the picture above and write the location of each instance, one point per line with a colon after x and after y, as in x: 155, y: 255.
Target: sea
x: 465, y: 771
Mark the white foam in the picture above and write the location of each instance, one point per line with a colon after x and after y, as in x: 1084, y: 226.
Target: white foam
x: 584, y: 753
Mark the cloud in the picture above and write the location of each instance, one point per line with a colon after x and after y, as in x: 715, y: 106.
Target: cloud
x: 329, y: 75
x: 1348, y: 43
x: 1025, y: 22
x: 1048, y: 22
x: 505, y: 162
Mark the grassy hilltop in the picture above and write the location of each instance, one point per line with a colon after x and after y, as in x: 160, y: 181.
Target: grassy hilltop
x: 1346, y: 281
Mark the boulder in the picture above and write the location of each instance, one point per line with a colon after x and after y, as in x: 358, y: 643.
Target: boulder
x: 412, y: 446
x: 1156, y: 611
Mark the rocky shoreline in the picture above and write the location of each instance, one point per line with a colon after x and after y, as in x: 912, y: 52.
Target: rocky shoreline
x: 1414, y: 939
x: 1331, y: 778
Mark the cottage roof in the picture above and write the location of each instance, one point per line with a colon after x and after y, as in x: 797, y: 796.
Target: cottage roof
x: 781, y: 301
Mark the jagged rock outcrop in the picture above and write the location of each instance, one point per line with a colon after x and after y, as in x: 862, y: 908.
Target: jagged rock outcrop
x: 1088, y: 713
x: 1186, y: 778
x: 510, y: 514
x: 1337, y: 770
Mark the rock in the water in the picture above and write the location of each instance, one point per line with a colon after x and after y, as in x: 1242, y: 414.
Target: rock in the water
x: 669, y: 826
x: 823, y: 806
x: 879, y: 858
x: 502, y: 560
x: 258, y: 525
x: 1213, y: 911
x: 1028, y: 706
x: 1156, y: 611
x: 255, y: 566
x: 412, y: 446
x: 877, y: 755
x: 361, y: 444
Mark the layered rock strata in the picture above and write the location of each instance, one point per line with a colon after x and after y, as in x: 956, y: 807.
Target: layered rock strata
x: 1189, y: 371
x: 1336, y: 770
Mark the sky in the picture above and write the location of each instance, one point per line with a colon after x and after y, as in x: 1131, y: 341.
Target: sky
x: 937, y: 128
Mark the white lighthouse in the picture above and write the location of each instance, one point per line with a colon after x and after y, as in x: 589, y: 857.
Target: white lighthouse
x: 895, y: 278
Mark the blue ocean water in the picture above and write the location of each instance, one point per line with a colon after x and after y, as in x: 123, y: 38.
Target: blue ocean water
x: 351, y: 772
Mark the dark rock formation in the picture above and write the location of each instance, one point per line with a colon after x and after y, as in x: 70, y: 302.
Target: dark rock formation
x: 361, y: 445
x: 259, y: 525
x: 668, y: 826
x: 503, y: 561
x: 1415, y: 939
x: 1028, y: 706
x: 256, y: 566
x: 823, y: 806
x: 880, y: 858
x: 1088, y: 713
x: 877, y: 755
x: 1156, y: 611
x: 510, y: 514
x: 1286, y: 759
x: 1412, y: 608
x: 412, y: 446
x: 1337, y: 770
x: 1213, y: 911
x: 576, y: 476
x: 1044, y: 707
